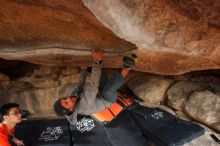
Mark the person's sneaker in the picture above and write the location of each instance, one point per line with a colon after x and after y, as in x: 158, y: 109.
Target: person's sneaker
x: 129, y: 61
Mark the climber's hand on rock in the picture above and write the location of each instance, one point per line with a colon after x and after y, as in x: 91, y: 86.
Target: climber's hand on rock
x: 97, y: 55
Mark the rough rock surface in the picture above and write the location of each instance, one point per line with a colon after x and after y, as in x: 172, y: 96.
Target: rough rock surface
x: 4, y: 77
x: 53, y: 32
x: 150, y: 89
x: 178, y: 94
x: 40, y: 102
x: 173, y: 37
x: 204, y: 106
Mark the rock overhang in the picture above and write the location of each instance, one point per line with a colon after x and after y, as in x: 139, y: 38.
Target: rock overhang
x: 65, y: 32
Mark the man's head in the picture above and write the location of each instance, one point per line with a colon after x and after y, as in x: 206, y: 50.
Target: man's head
x: 11, y: 113
x: 65, y: 105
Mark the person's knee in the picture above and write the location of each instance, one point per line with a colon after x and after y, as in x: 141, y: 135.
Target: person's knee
x: 111, y: 97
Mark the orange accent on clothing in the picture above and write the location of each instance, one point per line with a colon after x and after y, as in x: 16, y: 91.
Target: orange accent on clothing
x: 125, y: 99
x: 109, y: 113
x: 4, y: 134
x: 124, y: 72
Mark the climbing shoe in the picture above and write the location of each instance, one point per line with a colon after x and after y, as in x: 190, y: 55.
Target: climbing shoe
x: 129, y: 61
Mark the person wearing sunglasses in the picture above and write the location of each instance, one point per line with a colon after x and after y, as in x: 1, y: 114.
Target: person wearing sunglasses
x: 10, y: 115
x: 98, y: 94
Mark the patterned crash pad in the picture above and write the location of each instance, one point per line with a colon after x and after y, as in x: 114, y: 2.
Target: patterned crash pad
x: 135, y: 126
x: 164, y: 129
x: 44, y: 132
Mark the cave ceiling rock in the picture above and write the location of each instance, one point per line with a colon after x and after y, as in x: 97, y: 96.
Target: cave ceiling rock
x: 54, y: 32
x: 172, y: 37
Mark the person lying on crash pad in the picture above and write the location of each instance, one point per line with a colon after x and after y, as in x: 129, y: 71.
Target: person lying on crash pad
x: 99, y: 94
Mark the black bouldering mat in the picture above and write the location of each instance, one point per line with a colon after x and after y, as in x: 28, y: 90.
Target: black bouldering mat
x: 24, y: 131
x: 44, y: 132
x: 88, y: 132
x: 164, y: 129
x: 123, y: 131
x: 135, y: 126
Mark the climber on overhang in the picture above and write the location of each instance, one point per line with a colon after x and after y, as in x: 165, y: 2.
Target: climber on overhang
x: 100, y: 92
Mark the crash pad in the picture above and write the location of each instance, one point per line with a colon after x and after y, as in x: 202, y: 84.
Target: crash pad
x: 44, y: 132
x: 163, y: 128
x: 123, y: 131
